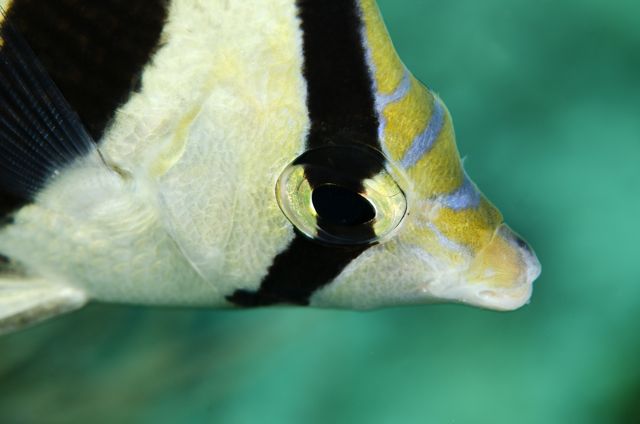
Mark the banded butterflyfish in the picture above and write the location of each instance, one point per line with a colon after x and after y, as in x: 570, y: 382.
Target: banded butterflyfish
x: 232, y: 154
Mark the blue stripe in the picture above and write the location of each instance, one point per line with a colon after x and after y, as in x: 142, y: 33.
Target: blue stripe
x: 424, y: 141
x: 467, y: 196
x: 383, y: 100
x: 444, y: 240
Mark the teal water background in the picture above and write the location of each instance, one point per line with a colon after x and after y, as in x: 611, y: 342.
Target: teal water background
x: 546, y: 101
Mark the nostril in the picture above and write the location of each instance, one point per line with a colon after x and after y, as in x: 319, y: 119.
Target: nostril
x: 522, y: 244
x: 514, y: 239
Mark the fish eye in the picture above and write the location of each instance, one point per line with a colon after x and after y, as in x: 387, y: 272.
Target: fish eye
x: 341, y: 206
x: 343, y: 195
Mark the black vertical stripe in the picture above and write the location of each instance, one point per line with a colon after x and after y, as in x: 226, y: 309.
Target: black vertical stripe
x: 9, y: 203
x: 340, y: 99
x: 341, y: 106
x: 297, y: 272
x: 94, y: 51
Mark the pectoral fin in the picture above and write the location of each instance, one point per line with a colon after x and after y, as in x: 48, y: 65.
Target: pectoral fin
x: 25, y: 301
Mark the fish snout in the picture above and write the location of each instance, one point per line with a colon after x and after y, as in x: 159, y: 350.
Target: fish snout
x: 501, y: 275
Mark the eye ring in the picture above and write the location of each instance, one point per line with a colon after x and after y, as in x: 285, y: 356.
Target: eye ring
x: 331, y: 195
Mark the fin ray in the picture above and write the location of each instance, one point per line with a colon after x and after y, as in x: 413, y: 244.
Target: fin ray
x: 44, y: 86
x: 25, y: 301
x: 39, y: 132
x: 22, y: 101
x: 13, y: 105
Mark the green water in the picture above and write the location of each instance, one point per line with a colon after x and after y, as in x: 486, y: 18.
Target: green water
x: 546, y: 100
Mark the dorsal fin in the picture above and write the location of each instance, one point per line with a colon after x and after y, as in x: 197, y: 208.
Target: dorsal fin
x: 94, y: 52
x: 39, y: 133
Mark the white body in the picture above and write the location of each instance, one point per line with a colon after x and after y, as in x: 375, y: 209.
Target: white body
x: 192, y: 217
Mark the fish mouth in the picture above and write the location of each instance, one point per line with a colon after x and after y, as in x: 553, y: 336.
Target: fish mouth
x: 500, y: 276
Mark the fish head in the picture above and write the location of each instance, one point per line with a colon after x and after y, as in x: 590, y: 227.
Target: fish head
x: 397, y: 203
x: 430, y: 234
x: 434, y: 236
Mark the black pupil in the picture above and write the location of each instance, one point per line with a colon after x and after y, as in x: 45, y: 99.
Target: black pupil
x: 341, y: 206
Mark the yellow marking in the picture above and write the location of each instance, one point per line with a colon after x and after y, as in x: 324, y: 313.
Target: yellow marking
x: 175, y: 149
x: 498, y: 265
x: 439, y: 171
x: 388, y: 66
x: 406, y: 119
x: 417, y: 234
x: 472, y: 227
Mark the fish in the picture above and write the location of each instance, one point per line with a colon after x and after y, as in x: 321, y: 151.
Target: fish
x: 229, y: 154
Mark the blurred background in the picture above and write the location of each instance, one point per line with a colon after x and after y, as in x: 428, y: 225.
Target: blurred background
x: 546, y: 100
